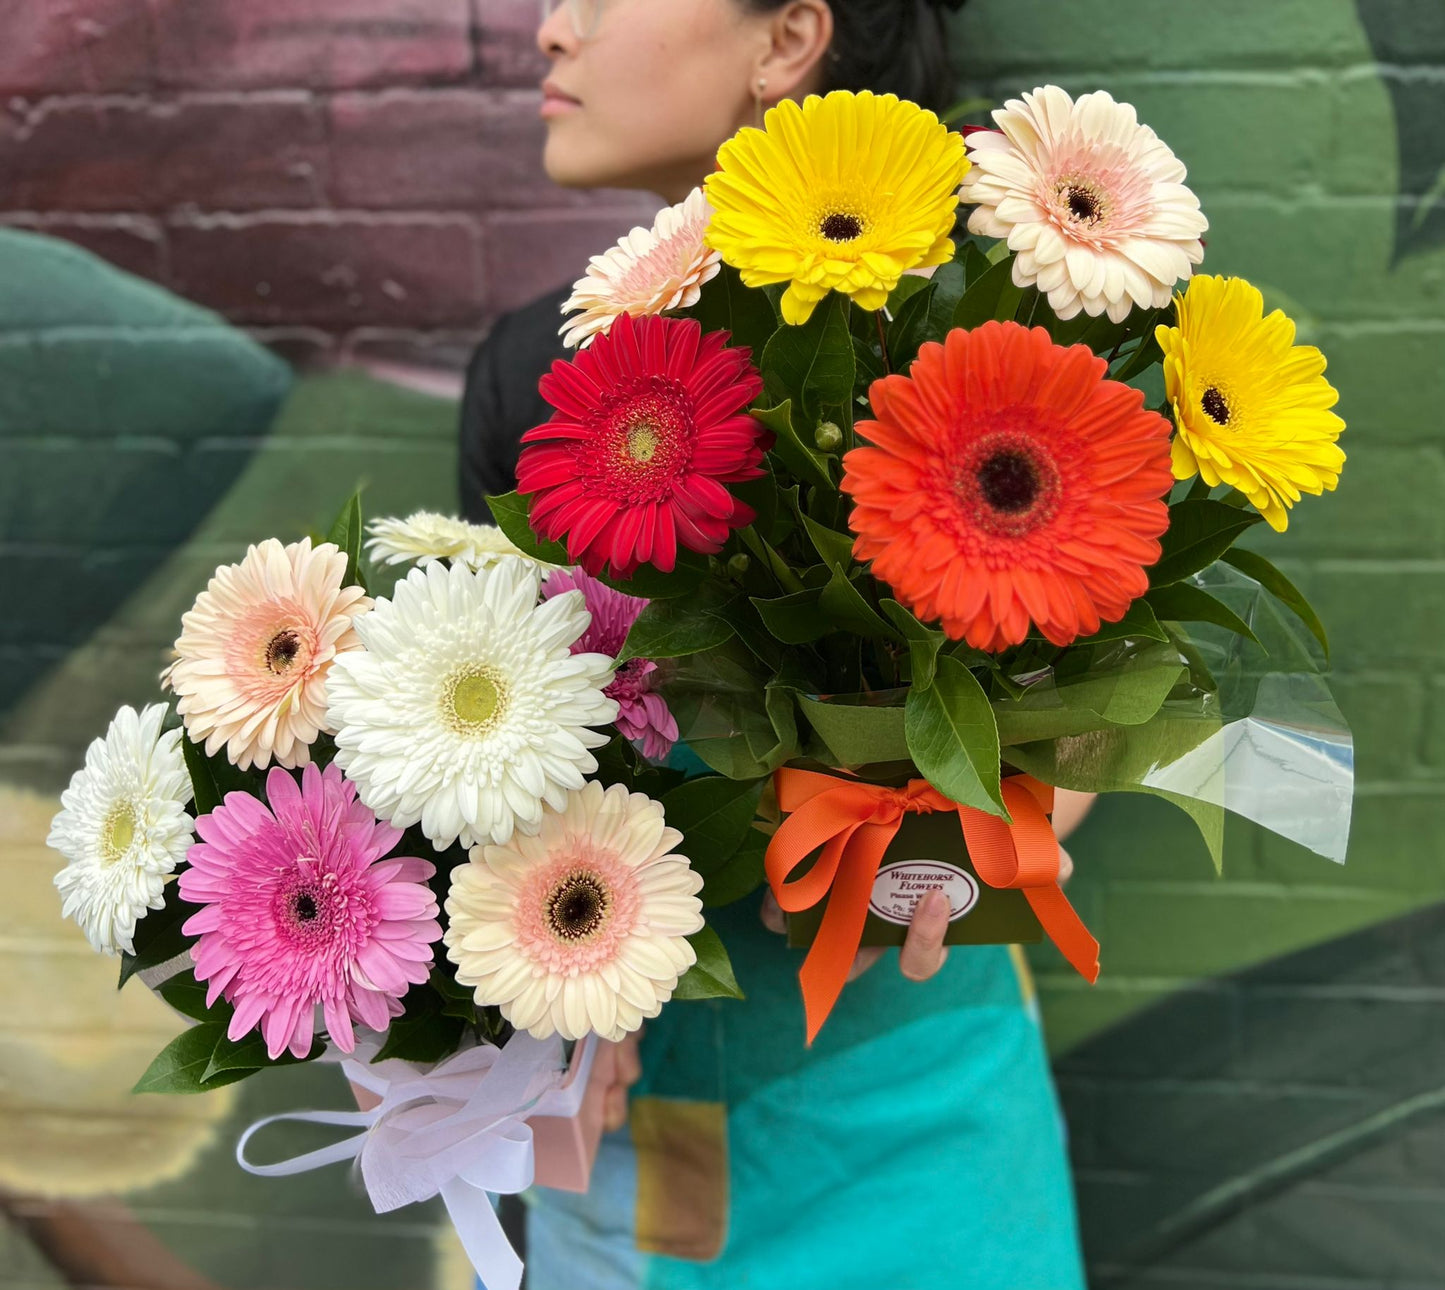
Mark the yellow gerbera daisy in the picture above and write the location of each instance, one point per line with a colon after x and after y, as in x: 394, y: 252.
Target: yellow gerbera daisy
x: 843, y: 193
x: 1253, y: 407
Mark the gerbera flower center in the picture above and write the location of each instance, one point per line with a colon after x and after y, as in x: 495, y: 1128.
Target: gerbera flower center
x: 577, y: 907
x: 304, y: 906
x: 282, y: 650
x: 1216, y: 406
x: 1083, y: 204
x: 473, y: 700
x: 643, y: 440
x: 1008, y: 485
x: 840, y: 226
x: 117, y: 833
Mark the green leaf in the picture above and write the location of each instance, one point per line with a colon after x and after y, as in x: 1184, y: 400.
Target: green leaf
x: 158, y: 936
x: 924, y: 643
x: 1255, y: 566
x: 799, y: 455
x: 741, y: 875
x: 180, y: 1065
x: 510, y: 514
x: 674, y: 629
x: 846, y: 606
x: 653, y: 584
x: 909, y: 285
x: 457, y: 1000
x: 954, y: 739
x: 948, y: 282
x: 835, y: 548
x: 714, y: 814
x: 711, y: 977
x: 1183, y: 602
x: 910, y: 328
x: 725, y: 304
x: 347, y: 533
x: 813, y: 364
x: 238, y: 1057
x: 213, y: 777
x: 1127, y: 692
x: 991, y: 296
x: 422, y: 1034
x: 857, y: 734
x: 795, y: 619
x: 1200, y: 532
x: 1139, y: 623
x: 188, y: 997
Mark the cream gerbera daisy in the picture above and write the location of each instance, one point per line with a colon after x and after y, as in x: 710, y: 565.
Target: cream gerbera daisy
x: 122, y: 827
x: 466, y: 711
x: 255, y: 649
x: 648, y: 272
x: 583, y: 926
x: 426, y: 535
x: 1093, y: 203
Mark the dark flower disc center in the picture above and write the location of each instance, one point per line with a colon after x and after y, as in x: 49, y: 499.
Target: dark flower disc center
x: 840, y: 227
x: 305, y: 906
x: 1009, y: 482
x: 1216, y: 406
x: 1083, y: 204
x: 281, y: 652
x: 578, y: 907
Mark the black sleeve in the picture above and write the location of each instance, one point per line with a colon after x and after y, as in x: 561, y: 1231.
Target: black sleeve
x: 501, y: 402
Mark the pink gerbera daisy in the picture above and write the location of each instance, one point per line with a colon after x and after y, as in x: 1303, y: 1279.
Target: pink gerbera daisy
x: 300, y: 910
x: 651, y: 426
x: 254, y: 651
x: 642, y: 713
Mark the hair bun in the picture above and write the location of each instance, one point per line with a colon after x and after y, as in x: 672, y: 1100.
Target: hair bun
x: 954, y: 5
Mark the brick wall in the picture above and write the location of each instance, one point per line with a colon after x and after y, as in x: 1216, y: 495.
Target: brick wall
x: 349, y: 179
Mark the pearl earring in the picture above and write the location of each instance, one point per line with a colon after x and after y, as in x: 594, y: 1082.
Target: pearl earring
x: 758, y: 98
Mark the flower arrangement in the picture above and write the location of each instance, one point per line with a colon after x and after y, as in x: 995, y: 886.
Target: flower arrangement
x: 881, y: 521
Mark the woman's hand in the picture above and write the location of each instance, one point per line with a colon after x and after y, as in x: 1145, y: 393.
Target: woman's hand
x: 626, y: 1070
x: 923, y: 952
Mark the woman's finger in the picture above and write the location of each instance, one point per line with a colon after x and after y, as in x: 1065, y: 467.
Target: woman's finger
x: 864, y: 960
x: 614, y: 1108
x: 1066, y: 866
x: 923, y: 951
x: 629, y: 1060
x: 772, y: 915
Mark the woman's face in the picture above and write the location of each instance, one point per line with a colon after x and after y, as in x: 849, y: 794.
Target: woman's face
x: 646, y: 98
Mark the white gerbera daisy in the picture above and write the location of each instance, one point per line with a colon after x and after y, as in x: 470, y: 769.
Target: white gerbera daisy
x: 581, y: 927
x: 648, y: 272
x: 1093, y: 203
x: 466, y: 710
x: 122, y: 827
x: 425, y: 536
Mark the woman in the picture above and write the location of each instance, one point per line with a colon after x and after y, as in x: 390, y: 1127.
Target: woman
x: 917, y: 1144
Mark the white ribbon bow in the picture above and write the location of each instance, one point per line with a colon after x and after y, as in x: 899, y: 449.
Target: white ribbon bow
x: 459, y: 1131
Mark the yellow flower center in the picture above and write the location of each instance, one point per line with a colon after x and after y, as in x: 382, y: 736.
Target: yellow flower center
x: 118, y: 832
x: 841, y: 226
x: 1216, y: 406
x: 474, y: 701
x: 642, y: 439
x: 577, y: 907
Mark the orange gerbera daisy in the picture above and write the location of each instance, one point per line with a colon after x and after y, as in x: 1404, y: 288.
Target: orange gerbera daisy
x: 1011, y: 481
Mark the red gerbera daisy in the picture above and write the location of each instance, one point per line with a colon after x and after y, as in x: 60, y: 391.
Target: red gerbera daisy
x: 1011, y: 481
x: 650, y: 425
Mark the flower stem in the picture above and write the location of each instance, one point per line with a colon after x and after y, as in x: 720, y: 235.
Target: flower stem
x: 882, y: 341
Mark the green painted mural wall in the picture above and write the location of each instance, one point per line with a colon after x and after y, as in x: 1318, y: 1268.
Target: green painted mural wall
x: 1249, y: 1089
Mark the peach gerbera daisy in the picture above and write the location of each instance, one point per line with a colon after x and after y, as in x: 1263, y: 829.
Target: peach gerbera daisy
x: 254, y: 651
x: 1092, y: 202
x: 648, y: 272
x: 1011, y: 482
x: 582, y: 927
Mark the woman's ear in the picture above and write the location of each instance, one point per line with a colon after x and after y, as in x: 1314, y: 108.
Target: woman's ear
x: 793, y: 64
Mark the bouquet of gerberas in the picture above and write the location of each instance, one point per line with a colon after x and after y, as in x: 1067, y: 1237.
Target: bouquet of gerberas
x: 923, y: 532
x: 873, y: 528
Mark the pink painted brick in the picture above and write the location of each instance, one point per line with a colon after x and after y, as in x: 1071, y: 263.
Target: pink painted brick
x: 315, y: 43
x: 74, y: 46
x: 134, y: 244
x: 452, y: 149
x: 527, y: 255
x: 218, y: 152
x: 330, y: 271
x: 507, y: 52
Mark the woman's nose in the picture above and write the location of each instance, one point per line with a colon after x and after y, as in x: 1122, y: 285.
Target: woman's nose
x: 556, y: 35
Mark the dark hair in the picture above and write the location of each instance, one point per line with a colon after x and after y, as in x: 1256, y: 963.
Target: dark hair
x: 888, y: 46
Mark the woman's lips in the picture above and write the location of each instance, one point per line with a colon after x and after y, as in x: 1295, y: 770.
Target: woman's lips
x: 557, y: 103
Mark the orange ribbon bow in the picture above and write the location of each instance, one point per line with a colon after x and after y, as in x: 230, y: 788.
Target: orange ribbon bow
x: 853, y: 822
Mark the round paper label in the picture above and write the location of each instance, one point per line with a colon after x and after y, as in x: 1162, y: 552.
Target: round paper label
x: 899, y: 886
